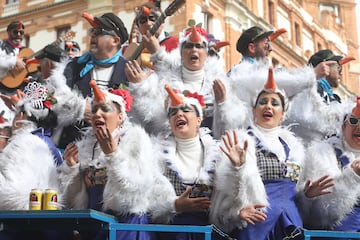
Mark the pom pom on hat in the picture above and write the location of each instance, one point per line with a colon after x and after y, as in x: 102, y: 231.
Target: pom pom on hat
x: 356, y: 109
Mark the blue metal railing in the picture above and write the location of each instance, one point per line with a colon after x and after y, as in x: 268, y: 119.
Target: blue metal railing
x: 113, y: 227
x: 329, y: 234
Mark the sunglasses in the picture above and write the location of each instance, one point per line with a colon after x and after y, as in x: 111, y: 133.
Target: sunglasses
x: 72, y: 49
x: 16, y: 32
x: 352, y: 120
x: 101, y: 32
x: 190, y: 45
x: 144, y: 19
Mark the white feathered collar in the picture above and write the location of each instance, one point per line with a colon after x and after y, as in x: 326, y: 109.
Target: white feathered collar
x: 296, y: 153
x: 211, y: 155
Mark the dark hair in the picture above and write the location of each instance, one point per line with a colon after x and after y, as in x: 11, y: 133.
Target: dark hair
x: 282, y: 99
x: 50, y: 122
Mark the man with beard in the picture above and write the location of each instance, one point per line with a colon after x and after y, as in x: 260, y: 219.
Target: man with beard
x: 9, y: 50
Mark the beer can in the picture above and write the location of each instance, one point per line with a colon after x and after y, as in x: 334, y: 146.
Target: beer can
x: 35, y: 199
x: 50, y: 200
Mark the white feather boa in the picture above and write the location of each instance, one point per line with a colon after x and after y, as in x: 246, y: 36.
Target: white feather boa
x: 324, y: 211
x: 26, y: 163
x: 131, y: 174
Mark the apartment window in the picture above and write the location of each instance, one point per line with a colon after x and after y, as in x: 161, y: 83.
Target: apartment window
x: 271, y: 9
x: 319, y: 46
x: 297, y: 35
x: 331, y: 8
x: 11, y: 1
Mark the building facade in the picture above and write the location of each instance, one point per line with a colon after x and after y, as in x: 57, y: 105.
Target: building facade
x: 311, y: 25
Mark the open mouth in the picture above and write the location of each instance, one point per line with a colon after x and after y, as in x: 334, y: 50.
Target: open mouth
x: 267, y: 114
x: 194, y: 58
x: 180, y: 123
x: 99, y: 124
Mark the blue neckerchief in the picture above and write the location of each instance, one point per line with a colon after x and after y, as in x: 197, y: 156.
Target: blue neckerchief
x: 326, y: 86
x: 90, y: 60
x: 344, y: 160
x: 248, y: 59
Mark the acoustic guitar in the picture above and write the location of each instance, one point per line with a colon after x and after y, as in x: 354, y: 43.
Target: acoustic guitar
x: 134, y: 50
x: 14, y: 78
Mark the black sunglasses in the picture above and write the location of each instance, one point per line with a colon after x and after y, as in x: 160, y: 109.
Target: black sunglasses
x: 101, y: 32
x: 16, y: 32
x: 144, y: 19
x: 352, y: 120
x: 190, y: 45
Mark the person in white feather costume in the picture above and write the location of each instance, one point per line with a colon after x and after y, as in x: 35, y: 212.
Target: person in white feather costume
x: 112, y: 169
x: 187, y: 156
x: 187, y: 68
x: 267, y: 179
x: 337, y: 157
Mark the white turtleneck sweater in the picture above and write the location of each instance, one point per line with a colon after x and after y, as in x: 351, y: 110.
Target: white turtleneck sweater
x: 347, y: 148
x: 193, y: 80
x: 271, y: 136
x: 189, y: 158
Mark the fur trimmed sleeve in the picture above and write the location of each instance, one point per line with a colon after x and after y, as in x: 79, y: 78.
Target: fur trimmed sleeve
x: 73, y: 187
x: 148, y: 106
x: 236, y: 188
x: 326, y: 210
x: 162, y: 206
x: 130, y: 173
x: 228, y: 120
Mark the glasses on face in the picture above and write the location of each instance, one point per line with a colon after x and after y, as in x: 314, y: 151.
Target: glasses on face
x: 72, y: 50
x: 185, y: 109
x: 190, y: 45
x: 101, y: 32
x: 144, y: 19
x: 17, y: 32
x: 337, y: 66
x: 352, y: 120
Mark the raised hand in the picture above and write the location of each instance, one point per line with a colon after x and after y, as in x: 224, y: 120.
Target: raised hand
x: 318, y: 187
x: 107, y: 143
x: 232, y: 149
x: 186, y: 204
x: 134, y: 73
x: 356, y: 166
x: 219, y: 91
x: 71, y: 154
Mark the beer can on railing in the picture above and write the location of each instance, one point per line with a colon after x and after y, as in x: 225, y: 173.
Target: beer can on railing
x: 50, y: 200
x: 35, y: 199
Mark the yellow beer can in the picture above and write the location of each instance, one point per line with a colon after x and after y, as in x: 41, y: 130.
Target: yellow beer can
x: 50, y: 200
x: 35, y: 199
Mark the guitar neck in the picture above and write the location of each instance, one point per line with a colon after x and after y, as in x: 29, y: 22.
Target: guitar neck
x: 152, y: 31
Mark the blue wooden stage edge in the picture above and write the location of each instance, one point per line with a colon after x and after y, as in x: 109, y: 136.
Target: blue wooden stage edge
x: 330, y: 234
